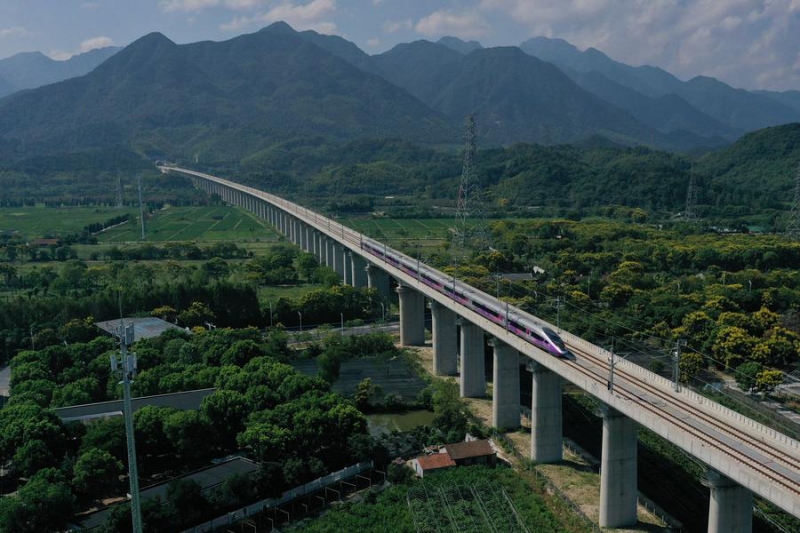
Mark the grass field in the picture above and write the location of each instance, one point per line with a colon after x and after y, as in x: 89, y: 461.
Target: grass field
x: 40, y: 221
x: 388, y: 229
x: 220, y: 223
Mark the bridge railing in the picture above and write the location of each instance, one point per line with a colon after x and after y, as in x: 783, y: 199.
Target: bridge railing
x: 338, y: 229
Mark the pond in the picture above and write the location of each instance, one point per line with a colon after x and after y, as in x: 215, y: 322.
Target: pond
x: 386, y: 422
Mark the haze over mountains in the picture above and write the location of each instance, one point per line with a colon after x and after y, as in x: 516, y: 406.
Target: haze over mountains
x: 243, y: 95
x: 34, y: 69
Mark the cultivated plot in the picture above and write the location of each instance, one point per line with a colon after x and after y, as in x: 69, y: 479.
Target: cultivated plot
x: 214, y: 223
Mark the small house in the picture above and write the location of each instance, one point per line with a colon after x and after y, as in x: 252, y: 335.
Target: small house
x: 476, y: 452
x: 427, y: 464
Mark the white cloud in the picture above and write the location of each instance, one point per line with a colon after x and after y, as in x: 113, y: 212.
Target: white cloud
x: 391, y: 26
x: 748, y: 43
x: 308, y: 16
x: 15, y: 31
x: 96, y: 42
x: 90, y: 5
x: 59, y: 55
x: 170, y: 6
x: 372, y: 43
x: 465, y: 25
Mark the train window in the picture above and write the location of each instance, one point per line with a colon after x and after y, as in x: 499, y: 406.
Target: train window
x: 554, y: 338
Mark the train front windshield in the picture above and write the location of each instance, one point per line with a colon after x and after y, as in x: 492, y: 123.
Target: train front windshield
x: 555, y: 339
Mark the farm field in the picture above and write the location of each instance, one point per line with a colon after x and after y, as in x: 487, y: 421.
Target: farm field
x: 40, y: 221
x: 403, y: 228
x: 216, y: 223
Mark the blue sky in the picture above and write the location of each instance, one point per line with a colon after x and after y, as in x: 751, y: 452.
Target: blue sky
x: 752, y: 44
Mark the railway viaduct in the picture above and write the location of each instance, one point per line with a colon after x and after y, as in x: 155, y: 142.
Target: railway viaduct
x: 743, y: 457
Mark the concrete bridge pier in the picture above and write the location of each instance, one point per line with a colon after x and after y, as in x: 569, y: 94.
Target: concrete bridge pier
x: 358, y: 270
x: 412, y: 316
x: 473, y: 367
x: 328, y: 249
x: 618, y: 490
x: 731, y: 507
x: 445, y: 340
x: 505, y: 386
x: 546, y: 426
x: 338, y: 258
x: 378, y: 279
x: 345, y: 253
x: 306, y: 238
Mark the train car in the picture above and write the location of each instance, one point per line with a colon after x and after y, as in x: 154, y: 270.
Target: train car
x: 540, y: 336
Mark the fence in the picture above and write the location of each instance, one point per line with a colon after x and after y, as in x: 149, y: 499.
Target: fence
x: 292, y: 494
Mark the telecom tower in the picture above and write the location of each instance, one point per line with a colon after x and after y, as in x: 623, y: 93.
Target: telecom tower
x: 469, y: 208
x: 690, y: 213
x: 793, y: 228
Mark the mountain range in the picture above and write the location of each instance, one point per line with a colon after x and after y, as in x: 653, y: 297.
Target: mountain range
x: 29, y: 70
x: 232, y: 99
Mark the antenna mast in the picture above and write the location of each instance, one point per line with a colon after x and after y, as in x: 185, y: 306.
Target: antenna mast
x: 125, y: 368
x: 793, y: 228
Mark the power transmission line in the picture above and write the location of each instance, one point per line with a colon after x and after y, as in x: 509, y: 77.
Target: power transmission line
x: 469, y: 231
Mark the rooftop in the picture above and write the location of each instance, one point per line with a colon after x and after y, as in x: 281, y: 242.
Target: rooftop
x: 464, y: 450
x: 434, y: 461
x: 143, y: 328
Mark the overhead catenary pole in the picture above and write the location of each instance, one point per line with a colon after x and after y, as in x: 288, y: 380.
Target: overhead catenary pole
x: 676, y: 360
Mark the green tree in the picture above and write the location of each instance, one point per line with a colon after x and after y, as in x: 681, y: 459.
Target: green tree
x: 197, y: 314
x: 732, y: 346
x: 191, y: 433
x: 365, y: 392
x: 449, y: 409
x: 96, y: 472
x: 149, y: 426
x: 690, y: 364
x: 227, y: 410
x: 768, y: 380
x: 779, y: 348
x: 107, y: 435
x: 186, y: 497
x: 45, y: 503
x: 746, y: 375
x: 33, y: 456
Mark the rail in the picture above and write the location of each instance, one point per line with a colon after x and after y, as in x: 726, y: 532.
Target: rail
x: 756, y: 456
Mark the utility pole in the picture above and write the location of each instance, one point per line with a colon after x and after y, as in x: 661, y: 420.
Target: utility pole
x: 125, y: 367
x: 676, y: 359
x: 793, y: 228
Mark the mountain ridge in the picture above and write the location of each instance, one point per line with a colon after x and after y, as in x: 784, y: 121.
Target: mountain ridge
x: 29, y: 70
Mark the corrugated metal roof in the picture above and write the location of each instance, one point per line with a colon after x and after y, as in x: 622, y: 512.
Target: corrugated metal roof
x: 143, y: 327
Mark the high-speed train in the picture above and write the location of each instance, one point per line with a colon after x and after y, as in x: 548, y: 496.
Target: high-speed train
x: 540, y: 336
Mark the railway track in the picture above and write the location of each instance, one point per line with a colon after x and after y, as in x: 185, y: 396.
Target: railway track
x: 770, y: 461
x: 715, y: 435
